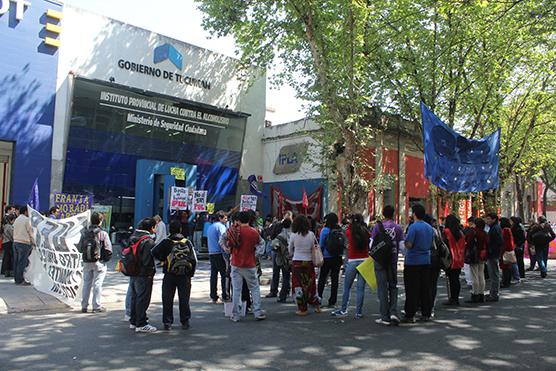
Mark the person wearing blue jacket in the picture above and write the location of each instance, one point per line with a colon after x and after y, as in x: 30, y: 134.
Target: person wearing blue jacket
x: 332, y: 262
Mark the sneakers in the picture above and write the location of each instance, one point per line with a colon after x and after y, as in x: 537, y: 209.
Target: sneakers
x: 491, y: 299
x: 358, y: 316
x: 339, y: 313
x: 126, y: 318
x: 234, y: 319
x: 185, y: 325
x: 99, y: 310
x: 380, y: 321
x: 394, y: 320
x: 408, y: 320
x: 83, y: 310
x: 147, y: 329
x: 133, y: 327
x: 260, y: 316
x: 302, y: 313
x: 167, y: 327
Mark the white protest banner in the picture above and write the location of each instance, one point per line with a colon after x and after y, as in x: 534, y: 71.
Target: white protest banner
x: 55, y: 264
x: 248, y: 202
x: 199, y: 201
x: 179, y: 198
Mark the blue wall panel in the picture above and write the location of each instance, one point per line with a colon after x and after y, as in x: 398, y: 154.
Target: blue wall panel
x: 27, y: 93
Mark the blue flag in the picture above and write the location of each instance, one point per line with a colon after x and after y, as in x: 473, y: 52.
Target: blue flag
x: 34, y: 196
x: 455, y: 163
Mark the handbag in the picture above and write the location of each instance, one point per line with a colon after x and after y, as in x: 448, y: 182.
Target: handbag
x: 509, y: 257
x: 316, y: 255
x: 381, y: 248
x: 444, y: 252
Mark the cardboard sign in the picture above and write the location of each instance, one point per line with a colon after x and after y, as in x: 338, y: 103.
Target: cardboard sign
x: 210, y: 208
x: 178, y: 173
x: 178, y: 198
x: 199, y: 201
x: 248, y: 202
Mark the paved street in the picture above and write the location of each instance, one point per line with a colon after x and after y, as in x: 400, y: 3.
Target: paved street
x: 517, y: 332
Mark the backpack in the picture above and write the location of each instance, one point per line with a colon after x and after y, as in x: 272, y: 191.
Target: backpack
x: 280, y: 246
x: 541, y: 237
x: 472, y: 251
x: 90, y: 244
x: 177, y: 261
x: 381, y: 249
x: 130, y: 262
x: 335, y: 242
x: 441, y: 251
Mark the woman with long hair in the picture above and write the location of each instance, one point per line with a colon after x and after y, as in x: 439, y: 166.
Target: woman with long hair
x: 518, y: 232
x: 300, y: 248
x: 453, y: 236
x: 508, y: 245
x: 332, y: 259
x: 358, y: 250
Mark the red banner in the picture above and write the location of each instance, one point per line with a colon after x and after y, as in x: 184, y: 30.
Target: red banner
x: 280, y: 204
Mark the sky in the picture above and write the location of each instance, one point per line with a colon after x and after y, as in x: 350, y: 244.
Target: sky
x: 180, y: 19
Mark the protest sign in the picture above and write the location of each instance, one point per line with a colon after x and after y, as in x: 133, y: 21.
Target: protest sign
x: 178, y: 173
x: 179, y: 198
x: 248, y: 202
x: 199, y: 201
x: 210, y: 208
x: 105, y: 210
x: 55, y: 264
x: 71, y: 204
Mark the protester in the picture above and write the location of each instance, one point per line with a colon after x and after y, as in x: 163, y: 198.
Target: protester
x: 96, y: 248
x: 160, y: 230
x: 454, y: 238
x: 54, y: 212
x: 300, y: 248
x: 199, y: 223
x: 22, y: 245
x: 508, y: 246
x: 387, y: 274
x: 244, y: 268
x: 531, y: 246
x: 541, y: 235
x: 266, y: 235
x: 466, y: 270
x: 476, y: 251
x: 142, y: 284
x: 179, y: 261
x: 332, y: 241
x: 435, y: 260
x: 276, y: 269
x: 417, y: 267
x: 7, y: 245
x: 281, y: 259
x: 518, y: 232
x: 217, y: 261
x: 186, y: 225
x: 495, y: 244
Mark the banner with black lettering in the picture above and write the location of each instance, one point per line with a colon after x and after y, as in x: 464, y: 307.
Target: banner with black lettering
x: 55, y: 265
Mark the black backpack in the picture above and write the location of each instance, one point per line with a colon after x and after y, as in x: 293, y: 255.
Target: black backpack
x: 381, y: 249
x: 177, y: 261
x: 335, y: 242
x: 90, y: 244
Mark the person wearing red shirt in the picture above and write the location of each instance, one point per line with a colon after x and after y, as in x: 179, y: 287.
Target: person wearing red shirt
x: 508, y: 245
x: 476, y: 251
x: 243, y: 265
x: 453, y: 235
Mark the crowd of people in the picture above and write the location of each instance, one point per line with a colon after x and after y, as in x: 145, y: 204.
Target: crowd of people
x: 490, y: 248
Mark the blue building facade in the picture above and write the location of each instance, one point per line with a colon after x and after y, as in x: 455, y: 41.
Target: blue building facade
x: 28, y: 68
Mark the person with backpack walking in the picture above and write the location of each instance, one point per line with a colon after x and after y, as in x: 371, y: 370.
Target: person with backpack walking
x: 300, y: 247
x: 179, y: 261
x: 141, y: 274
x: 454, y: 238
x: 357, y: 236
x: 281, y: 258
x: 540, y: 235
x: 386, y: 272
x: 495, y: 244
x: 332, y: 243
x: 244, y: 266
x: 518, y: 232
x: 417, y: 267
x: 476, y: 250
x: 275, y: 230
x: 216, y: 257
x: 96, y: 248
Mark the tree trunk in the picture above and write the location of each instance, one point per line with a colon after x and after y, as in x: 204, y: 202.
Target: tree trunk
x: 544, y: 199
x: 519, y: 196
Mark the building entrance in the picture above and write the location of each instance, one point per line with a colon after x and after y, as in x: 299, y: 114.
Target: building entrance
x: 6, y: 157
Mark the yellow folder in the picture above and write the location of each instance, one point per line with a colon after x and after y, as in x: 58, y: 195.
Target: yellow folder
x: 367, y: 270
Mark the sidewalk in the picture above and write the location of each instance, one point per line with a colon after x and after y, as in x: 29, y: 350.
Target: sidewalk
x: 18, y: 299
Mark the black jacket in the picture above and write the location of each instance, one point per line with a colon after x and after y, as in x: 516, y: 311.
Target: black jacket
x: 144, y: 252
x: 495, y: 241
x: 164, y: 248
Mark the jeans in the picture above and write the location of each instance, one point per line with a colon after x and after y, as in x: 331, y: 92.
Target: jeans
x: 197, y: 240
x: 478, y: 278
x: 141, y: 290
x: 170, y: 283
x: 387, y: 289
x: 542, y: 258
x: 331, y: 266
x: 21, y: 260
x: 250, y: 277
x: 467, y: 274
x: 93, y: 277
x: 268, y: 248
x: 435, y: 274
x: 417, y: 282
x: 128, y: 300
x: 519, y: 254
x: 494, y: 275
x: 217, y: 266
x: 454, y: 285
x: 285, y: 270
x: 350, y: 274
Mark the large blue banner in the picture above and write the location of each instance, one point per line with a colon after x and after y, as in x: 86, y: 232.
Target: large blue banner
x: 455, y: 163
